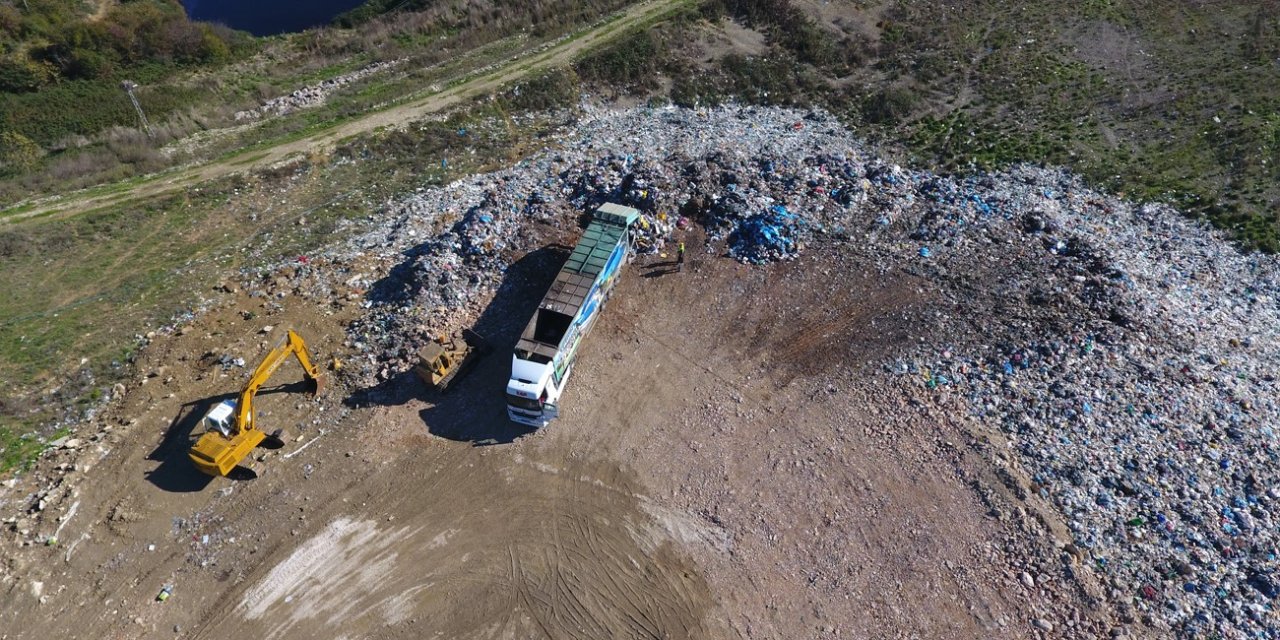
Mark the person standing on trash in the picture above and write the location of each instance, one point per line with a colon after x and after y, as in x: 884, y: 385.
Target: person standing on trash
x: 680, y: 257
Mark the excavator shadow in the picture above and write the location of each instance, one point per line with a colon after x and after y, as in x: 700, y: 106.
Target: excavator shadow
x: 176, y: 473
x: 474, y: 409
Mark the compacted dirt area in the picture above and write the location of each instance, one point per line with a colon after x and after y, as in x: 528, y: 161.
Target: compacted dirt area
x: 729, y: 464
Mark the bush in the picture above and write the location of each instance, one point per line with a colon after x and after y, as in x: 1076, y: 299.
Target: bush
x: 554, y: 89
x: 18, y: 152
x: 631, y: 63
x: 20, y: 75
x: 790, y: 28
x: 890, y: 105
x: 86, y: 63
x: 75, y: 165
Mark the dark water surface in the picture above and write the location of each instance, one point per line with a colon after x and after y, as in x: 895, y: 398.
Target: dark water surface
x: 268, y: 17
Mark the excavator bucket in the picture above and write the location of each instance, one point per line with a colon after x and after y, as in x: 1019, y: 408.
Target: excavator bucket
x: 316, y: 386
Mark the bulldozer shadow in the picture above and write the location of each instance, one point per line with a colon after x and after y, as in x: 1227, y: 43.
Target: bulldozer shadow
x: 176, y: 473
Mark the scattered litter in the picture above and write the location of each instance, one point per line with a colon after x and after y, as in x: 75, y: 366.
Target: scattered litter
x: 1144, y: 411
x: 303, y: 447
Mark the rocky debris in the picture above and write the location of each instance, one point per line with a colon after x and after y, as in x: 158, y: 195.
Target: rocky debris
x: 313, y: 95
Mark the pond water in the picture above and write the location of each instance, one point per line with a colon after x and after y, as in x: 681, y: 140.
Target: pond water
x: 268, y: 17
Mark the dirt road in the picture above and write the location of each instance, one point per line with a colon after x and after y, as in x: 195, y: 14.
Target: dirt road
x: 503, y: 73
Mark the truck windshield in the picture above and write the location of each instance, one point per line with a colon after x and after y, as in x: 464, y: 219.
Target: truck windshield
x: 523, y: 403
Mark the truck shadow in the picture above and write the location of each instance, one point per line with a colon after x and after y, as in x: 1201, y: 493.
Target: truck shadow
x: 474, y: 407
x: 176, y: 473
x: 476, y: 410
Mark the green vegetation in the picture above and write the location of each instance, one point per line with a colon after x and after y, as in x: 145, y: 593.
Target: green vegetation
x: 49, y: 41
x: 542, y: 17
x: 401, y: 23
x: 1164, y: 102
x: 630, y: 64
x: 88, y: 132
x: 21, y: 443
x: 60, y: 68
x: 19, y: 446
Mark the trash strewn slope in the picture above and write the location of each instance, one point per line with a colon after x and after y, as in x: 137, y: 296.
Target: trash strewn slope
x: 1127, y: 355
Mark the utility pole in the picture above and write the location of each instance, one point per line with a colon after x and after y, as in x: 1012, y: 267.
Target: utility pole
x: 129, y: 86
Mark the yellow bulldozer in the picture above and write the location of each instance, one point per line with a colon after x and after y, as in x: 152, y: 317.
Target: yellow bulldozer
x: 441, y: 362
x: 231, y: 428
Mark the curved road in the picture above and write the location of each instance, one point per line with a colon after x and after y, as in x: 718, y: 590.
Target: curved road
x: 504, y: 73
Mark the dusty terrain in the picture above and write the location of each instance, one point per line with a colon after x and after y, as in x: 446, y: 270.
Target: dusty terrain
x: 908, y: 405
x: 719, y: 472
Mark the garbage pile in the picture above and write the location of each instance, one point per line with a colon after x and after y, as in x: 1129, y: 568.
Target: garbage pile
x: 766, y: 237
x: 1128, y: 354
x: 443, y: 252
x: 1142, y: 404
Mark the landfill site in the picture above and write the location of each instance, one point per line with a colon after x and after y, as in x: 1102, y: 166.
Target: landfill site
x: 829, y: 397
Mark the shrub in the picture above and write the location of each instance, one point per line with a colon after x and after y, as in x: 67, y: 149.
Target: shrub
x: 553, y: 89
x: 18, y: 152
x: 890, y: 105
x: 631, y: 63
x: 20, y: 75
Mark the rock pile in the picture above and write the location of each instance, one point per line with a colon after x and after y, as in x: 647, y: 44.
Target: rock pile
x: 315, y: 94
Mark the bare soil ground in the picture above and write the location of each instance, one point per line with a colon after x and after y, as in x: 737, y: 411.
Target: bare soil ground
x: 729, y: 463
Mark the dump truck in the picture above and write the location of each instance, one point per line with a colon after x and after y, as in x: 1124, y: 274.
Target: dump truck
x: 544, y: 355
x: 444, y: 360
x: 231, y: 428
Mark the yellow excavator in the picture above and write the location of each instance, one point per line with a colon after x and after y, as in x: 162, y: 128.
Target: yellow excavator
x: 231, y: 432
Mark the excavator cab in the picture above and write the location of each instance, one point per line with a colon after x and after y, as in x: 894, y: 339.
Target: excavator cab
x: 221, y: 418
x: 230, y: 429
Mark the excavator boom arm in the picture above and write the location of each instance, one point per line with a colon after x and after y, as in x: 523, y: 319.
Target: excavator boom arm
x: 291, y: 344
